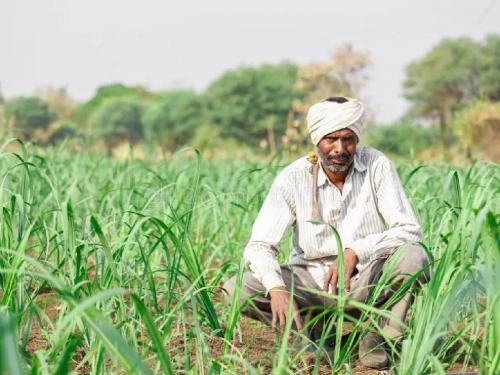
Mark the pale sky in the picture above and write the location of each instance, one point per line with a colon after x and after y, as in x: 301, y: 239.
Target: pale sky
x: 161, y: 44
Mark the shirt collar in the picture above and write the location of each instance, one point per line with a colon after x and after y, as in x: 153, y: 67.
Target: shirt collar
x: 358, y: 164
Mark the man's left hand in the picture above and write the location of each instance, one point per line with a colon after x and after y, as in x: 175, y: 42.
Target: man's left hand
x: 332, y: 277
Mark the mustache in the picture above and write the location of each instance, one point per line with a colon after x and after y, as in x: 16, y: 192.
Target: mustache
x: 340, y: 158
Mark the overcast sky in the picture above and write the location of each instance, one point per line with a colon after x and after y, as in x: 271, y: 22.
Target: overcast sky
x: 81, y: 44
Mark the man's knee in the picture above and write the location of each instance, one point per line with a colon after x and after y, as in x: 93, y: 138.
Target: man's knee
x: 413, y: 260
x: 229, y: 288
x: 250, y: 288
x: 251, y: 298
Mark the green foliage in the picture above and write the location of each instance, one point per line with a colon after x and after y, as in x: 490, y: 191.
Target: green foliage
x: 27, y: 115
x: 453, y: 74
x: 446, y: 77
x: 252, y: 103
x: 173, y: 120
x: 107, y: 92
x: 117, y: 120
x: 207, y: 137
x: 10, y: 361
x: 443, y: 81
x: 489, y: 79
x: 403, y: 139
x: 62, y: 133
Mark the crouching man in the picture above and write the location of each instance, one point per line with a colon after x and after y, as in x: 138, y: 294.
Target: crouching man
x: 355, y: 190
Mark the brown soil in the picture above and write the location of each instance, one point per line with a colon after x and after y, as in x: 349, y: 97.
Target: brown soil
x: 255, y: 342
x: 39, y: 327
x: 257, y: 345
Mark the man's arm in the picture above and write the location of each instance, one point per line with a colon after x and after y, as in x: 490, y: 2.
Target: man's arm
x: 274, y: 219
x: 397, y: 212
x: 398, y: 215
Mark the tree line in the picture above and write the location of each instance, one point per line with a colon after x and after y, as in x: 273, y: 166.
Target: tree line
x: 454, y: 91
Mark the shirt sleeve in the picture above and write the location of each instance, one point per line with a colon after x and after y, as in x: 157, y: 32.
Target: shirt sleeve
x: 396, y: 210
x: 274, y: 219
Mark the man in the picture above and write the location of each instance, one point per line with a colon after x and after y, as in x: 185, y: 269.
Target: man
x: 355, y: 190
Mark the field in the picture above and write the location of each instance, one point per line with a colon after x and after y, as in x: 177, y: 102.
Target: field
x: 111, y: 266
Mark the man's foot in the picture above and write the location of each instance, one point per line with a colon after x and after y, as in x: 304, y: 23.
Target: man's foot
x: 371, y: 351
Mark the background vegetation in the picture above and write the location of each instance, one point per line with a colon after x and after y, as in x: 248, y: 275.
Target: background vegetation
x: 453, y: 91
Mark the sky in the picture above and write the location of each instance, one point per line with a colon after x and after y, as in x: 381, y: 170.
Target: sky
x: 164, y: 44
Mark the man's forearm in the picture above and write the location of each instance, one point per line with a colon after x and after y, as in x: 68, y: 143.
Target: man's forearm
x: 378, y: 244
x: 261, y: 259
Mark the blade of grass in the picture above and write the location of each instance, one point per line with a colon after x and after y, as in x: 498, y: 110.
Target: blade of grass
x: 154, y: 335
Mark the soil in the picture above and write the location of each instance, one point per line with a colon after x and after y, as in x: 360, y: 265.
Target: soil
x: 38, y: 338
x: 257, y: 344
x: 254, y: 341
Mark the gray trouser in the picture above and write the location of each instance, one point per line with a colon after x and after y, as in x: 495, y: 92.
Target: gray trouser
x: 399, y: 268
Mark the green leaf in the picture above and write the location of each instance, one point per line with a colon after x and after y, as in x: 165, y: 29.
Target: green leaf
x: 10, y: 361
x: 154, y: 334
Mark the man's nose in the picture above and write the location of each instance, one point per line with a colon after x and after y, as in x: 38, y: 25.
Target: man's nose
x: 339, y: 147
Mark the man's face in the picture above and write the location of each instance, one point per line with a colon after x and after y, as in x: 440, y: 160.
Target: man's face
x: 336, y: 150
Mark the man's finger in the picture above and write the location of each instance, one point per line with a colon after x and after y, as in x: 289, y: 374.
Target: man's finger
x: 347, y: 281
x: 297, y: 318
x: 333, y: 281
x: 282, y: 319
x: 327, y: 281
x: 273, y: 321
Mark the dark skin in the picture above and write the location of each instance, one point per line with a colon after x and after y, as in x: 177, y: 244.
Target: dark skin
x: 336, y: 151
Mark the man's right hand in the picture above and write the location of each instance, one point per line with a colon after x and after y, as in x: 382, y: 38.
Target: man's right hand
x: 280, y: 299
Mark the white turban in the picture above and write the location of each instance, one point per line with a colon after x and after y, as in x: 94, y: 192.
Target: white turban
x: 326, y: 117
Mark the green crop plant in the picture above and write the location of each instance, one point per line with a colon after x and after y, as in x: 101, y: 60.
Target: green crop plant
x: 110, y: 266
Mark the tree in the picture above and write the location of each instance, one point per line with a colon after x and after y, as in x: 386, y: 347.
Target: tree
x: 403, y: 138
x: 343, y: 74
x: 117, y: 120
x: 173, y: 120
x: 251, y: 104
x: 26, y: 115
x: 489, y: 79
x: 62, y: 133
x: 478, y: 130
x: 106, y: 92
x: 58, y: 102
x: 444, y: 81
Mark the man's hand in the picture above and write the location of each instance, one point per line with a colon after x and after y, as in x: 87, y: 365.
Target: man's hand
x: 280, y: 298
x: 332, y: 277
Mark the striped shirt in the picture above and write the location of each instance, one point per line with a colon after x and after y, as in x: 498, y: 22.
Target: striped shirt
x: 372, y: 215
